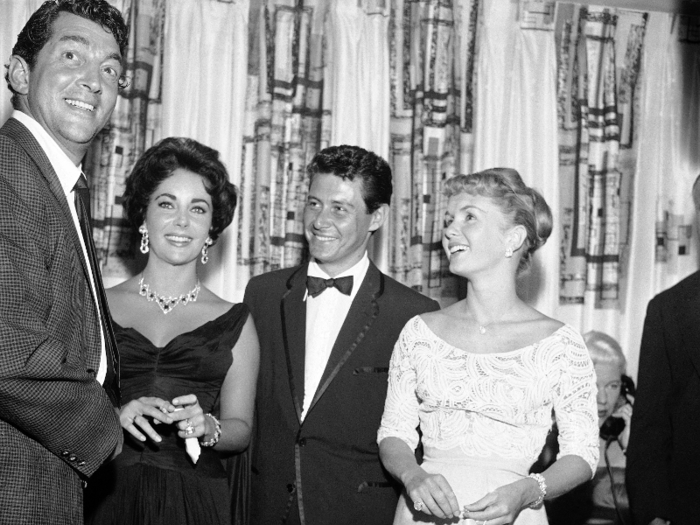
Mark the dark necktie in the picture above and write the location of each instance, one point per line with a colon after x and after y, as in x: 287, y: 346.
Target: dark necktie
x: 82, y: 207
x: 316, y: 285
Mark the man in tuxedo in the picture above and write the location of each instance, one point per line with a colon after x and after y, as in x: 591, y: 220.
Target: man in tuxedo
x: 663, y: 457
x: 59, y: 394
x: 327, y: 329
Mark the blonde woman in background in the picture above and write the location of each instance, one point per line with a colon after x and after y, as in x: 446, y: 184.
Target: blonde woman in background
x: 603, y: 501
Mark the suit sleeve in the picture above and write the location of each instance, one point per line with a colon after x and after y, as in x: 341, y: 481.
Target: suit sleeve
x: 649, y: 450
x: 46, y: 391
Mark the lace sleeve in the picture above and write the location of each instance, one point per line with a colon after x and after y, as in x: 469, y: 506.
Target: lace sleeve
x: 400, y: 418
x: 575, y: 405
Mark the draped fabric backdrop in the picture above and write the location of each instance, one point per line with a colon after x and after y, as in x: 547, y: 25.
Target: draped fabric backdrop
x: 598, y: 108
x: 432, y: 57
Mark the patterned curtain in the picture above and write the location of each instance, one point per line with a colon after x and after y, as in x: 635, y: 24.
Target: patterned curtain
x: 432, y: 60
x: 286, y: 123
x: 597, y: 100
x: 133, y: 128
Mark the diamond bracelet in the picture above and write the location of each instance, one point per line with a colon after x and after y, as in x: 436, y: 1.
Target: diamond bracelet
x: 539, y: 478
x: 217, y: 433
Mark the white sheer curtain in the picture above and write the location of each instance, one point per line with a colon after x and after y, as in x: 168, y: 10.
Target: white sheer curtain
x: 359, y: 63
x: 516, y: 125
x: 359, y: 80
x: 204, y: 85
x: 13, y: 15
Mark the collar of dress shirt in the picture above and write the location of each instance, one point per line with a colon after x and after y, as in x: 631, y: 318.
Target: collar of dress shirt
x: 358, y: 273
x: 66, y: 171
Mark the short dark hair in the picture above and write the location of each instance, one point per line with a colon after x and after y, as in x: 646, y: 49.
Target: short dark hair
x: 349, y: 162
x: 39, y: 28
x: 159, y: 162
x: 524, y: 206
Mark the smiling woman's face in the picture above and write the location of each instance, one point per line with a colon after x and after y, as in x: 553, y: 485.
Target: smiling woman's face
x: 179, y: 217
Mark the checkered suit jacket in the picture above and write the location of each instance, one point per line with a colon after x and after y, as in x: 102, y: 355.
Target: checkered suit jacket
x: 57, y: 424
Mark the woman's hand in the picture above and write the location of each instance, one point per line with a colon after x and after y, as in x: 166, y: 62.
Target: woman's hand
x: 625, y: 412
x: 133, y: 416
x: 503, y: 505
x: 190, y: 417
x: 433, y: 491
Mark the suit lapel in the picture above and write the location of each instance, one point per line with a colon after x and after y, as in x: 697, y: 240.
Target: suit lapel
x: 294, y: 326
x: 362, y: 313
x: 26, y: 140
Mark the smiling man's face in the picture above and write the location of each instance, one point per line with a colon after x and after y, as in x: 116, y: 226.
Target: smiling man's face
x: 336, y: 222
x: 72, y: 89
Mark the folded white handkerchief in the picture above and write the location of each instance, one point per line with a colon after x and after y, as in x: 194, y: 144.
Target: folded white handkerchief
x: 193, y: 448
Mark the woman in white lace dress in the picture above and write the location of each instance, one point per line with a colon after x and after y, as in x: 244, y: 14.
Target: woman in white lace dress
x: 482, y: 376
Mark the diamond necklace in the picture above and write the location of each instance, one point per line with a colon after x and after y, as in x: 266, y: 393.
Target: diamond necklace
x: 167, y: 304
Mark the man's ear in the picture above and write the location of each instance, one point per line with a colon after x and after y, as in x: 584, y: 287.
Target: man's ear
x: 379, y: 217
x: 18, y: 74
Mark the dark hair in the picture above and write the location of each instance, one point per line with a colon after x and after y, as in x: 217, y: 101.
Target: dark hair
x: 159, y: 162
x: 523, y: 205
x: 349, y: 162
x: 39, y: 28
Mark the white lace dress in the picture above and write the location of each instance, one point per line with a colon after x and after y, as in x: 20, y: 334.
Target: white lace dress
x: 484, y: 417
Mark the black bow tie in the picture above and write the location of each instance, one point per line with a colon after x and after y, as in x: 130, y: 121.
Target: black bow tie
x: 315, y: 285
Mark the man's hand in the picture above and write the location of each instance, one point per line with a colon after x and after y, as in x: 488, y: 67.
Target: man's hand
x: 659, y: 521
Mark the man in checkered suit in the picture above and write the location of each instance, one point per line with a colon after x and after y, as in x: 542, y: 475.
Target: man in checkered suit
x: 59, y: 383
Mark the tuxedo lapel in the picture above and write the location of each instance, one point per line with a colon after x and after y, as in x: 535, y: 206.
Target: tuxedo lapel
x: 362, y: 313
x: 294, y: 327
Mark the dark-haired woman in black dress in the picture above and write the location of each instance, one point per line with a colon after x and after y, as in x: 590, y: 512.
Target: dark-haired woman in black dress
x: 189, y: 359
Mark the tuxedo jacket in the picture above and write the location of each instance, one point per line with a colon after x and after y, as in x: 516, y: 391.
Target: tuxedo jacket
x: 325, y: 469
x: 663, y: 457
x: 57, y: 423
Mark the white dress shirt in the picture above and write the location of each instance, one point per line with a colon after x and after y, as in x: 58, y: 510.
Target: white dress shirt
x: 68, y: 174
x: 325, y: 315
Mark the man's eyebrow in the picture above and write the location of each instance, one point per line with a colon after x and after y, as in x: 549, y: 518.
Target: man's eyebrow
x: 75, y: 38
x: 84, y: 41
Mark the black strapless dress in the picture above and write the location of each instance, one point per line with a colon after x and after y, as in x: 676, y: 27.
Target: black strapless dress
x: 158, y: 483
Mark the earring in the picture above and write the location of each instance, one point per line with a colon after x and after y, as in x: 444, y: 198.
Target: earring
x: 509, y: 252
x: 144, y: 239
x: 205, y: 250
